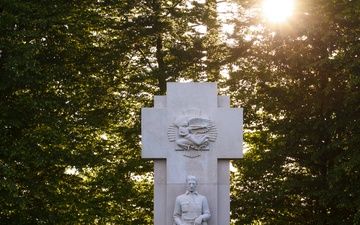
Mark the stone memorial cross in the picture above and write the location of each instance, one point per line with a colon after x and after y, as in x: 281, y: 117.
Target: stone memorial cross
x: 192, y: 131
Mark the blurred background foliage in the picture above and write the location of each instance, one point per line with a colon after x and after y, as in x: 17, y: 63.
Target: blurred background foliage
x: 75, y: 74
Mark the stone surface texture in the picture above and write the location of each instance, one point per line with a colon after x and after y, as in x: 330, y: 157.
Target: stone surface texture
x: 173, y: 164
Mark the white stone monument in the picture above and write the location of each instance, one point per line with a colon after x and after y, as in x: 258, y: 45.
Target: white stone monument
x: 192, y: 131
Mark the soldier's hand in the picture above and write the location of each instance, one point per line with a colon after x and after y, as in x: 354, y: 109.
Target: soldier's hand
x: 198, y: 220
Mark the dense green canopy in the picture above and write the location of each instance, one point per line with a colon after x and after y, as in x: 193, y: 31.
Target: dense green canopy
x: 299, y: 85
x: 74, y: 75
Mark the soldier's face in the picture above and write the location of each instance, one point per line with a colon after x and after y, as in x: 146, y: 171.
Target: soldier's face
x: 191, y: 185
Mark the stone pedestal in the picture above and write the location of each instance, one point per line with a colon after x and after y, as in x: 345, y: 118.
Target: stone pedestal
x: 214, y: 136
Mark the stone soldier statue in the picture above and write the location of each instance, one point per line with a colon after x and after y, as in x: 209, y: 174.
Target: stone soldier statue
x: 191, y: 208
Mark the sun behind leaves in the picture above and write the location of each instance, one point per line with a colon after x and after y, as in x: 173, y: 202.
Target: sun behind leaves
x: 277, y: 10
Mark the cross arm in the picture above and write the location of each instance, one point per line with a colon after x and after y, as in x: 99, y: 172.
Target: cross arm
x: 154, y: 140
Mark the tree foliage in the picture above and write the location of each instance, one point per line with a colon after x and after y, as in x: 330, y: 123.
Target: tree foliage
x: 299, y: 86
x: 73, y: 77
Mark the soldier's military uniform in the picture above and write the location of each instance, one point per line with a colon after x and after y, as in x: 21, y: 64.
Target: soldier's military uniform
x: 190, y: 206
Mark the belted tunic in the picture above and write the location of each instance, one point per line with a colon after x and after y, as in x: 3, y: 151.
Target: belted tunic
x: 190, y: 206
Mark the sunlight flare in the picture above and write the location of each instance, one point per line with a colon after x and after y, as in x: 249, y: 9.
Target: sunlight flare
x: 278, y: 10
